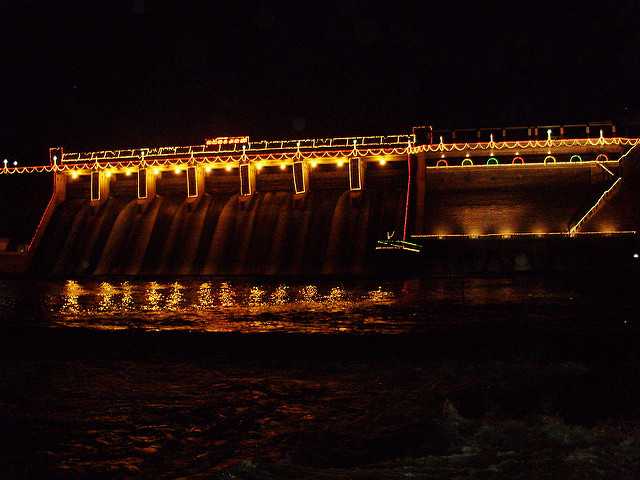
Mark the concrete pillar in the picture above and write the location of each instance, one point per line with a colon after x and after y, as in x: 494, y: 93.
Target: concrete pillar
x: 146, y: 184
x: 195, y: 182
x: 300, y: 176
x: 247, y: 173
x: 60, y: 186
x: 99, y: 186
x: 357, y: 169
x: 420, y: 193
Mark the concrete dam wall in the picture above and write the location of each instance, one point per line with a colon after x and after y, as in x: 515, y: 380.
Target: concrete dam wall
x: 511, y: 199
x: 328, y: 230
x: 332, y: 230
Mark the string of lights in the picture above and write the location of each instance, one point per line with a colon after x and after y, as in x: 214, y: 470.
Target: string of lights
x: 313, y: 156
x: 563, y: 142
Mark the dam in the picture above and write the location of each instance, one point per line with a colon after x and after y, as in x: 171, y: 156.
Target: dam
x: 489, y: 200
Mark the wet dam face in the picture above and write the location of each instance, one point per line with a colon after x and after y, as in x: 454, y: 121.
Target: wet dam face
x: 328, y: 230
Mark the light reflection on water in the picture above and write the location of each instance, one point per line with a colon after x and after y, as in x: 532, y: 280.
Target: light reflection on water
x: 325, y: 306
x: 210, y: 305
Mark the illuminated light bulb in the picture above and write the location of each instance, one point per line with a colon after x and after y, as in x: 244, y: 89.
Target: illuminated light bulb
x: 228, y: 167
x: 156, y: 171
x: 382, y: 161
x: 283, y: 166
x: 107, y: 173
x: 55, y: 158
x: 74, y: 174
x: 548, y: 152
x: 340, y: 163
x: 517, y: 153
x: 549, y: 131
x: 491, y: 154
x: 207, y: 169
x: 635, y: 255
x: 177, y: 170
x: 314, y: 164
x: 127, y: 172
x: 258, y: 166
x: 15, y: 163
x: 467, y: 155
x: 442, y: 156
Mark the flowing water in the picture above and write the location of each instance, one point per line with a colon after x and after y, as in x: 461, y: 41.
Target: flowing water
x: 88, y: 391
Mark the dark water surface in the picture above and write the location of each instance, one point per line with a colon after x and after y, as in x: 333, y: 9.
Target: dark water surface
x: 253, y: 378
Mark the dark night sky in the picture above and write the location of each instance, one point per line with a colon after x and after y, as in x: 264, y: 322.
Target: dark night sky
x: 134, y: 73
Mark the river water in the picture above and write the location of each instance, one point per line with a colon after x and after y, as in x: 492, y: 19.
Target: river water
x: 376, y: 403
x: 254, y: 305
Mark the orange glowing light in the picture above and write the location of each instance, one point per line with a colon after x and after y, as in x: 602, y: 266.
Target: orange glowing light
x: 74, y: 174
x: 382, y: 161
x: 226, y: 140
x: 340, y: 163
x: 156, y: 171
x: 228, y: 167
x: 207, y: 169
x: 107, y: 174
x: 314, y: 164
x: 283, y: 166
x: 127, y: 172
x: 259, y: 166
x: 177, y: 170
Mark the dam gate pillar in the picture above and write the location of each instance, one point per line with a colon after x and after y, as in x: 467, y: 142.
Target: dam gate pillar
x: 99, y: 186
x: 357, y: 169
x: 300, y: 176
x: 195, y: 182
x: 60, y: 186
x: 247, y: 173
x: 146, y: 184
x: 420, y: 190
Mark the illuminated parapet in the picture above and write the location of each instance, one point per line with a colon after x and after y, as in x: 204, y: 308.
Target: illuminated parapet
x: 99, y: 185
x: 300, y: 176
x: 357, y: 168
x: 247, y: 179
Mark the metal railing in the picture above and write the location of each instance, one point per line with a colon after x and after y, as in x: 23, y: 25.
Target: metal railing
x: 337, y: 143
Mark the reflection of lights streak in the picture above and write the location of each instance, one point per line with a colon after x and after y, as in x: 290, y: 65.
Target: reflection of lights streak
x: 106, y: 302
x: 308, y: 293
x: 153, y: 296
x: 255, y: 296
x: 126, y: 303
x: 71, y: 294
x: 205, y: 296
x: 336, y: 295
x: 175, y: 297
x: 279, y: 295
x: 379, y: 295
x: 227, y: 295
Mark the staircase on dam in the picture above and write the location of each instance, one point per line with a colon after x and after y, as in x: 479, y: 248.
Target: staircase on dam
x: 599, y: 204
